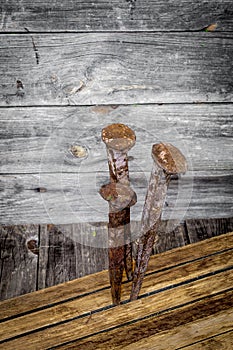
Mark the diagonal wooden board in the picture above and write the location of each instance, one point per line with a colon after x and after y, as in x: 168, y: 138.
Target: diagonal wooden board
x: 198, y: 273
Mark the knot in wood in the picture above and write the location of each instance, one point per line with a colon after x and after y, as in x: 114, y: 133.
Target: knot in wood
x: 32, y: 245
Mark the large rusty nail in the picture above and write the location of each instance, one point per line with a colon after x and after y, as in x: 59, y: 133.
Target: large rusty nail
x: 119, y: 139
x: 120, y: 199
x: 168, y: 161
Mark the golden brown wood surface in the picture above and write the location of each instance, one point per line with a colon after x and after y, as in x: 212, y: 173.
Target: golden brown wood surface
x: 202, y: 281
x: 222, y: 341
x: 99, y: 281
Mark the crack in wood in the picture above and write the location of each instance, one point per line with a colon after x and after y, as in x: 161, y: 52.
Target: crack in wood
x: 35, y: 49
x: 132, y: 6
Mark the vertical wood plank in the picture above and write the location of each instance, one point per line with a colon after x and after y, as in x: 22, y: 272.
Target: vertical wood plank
x: 171, y: 235
x: 63, y: 255
x: 200, y: 229
x: 18, y: 260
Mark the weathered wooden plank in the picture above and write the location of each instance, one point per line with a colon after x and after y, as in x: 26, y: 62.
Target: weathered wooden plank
x: 77, y: 327
x: 141, y: 330
x: 183, y: 335
x: 70, y: 309
x: 64, y: 257
x: 206, y: 228
x: 66, y: 252
x: 39, y: 139
x: 115, y: 68
x: 93, y: 283
x: 69, y: 201
x: 18, y: 260
x: 222, y: 341
x: 171, y: 235
x: 114, y: 15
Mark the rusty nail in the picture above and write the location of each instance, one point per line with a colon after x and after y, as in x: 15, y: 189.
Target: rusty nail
x: 120, y: 199
x: 168, y: 160
x: 119, y: 139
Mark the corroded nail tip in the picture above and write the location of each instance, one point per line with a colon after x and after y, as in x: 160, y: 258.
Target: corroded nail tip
x: 169, y: 158
x: 118, y: 136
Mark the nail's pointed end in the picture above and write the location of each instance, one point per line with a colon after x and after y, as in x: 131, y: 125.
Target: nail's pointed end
x: 169, y: 158
x: 119, y: 137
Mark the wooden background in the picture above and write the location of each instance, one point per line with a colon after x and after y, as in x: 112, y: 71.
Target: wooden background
x: 67, y: 69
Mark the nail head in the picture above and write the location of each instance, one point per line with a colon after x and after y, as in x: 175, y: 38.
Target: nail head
x: 169, y: 158
x: 119, y: 195
x: 118, y: 136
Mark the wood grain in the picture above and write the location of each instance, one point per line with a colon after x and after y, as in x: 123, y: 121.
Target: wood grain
x: 141, y: 330
x: 18, y: 264
x: 115, y: 15
x: 125, y: 68
x: 38, y: 140
x: 63, y: 258
x: 95, y: 282
x: 125, y: 313
x: 84, y: 305
x: 67, y: 201
x: 222, y: 341
x: 181, y: 336
x: 205, y: 228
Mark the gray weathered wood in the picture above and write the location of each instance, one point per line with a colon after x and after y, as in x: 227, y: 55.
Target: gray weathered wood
x: 18, y: 264
x: 63, y: 256
x: 205, y: 228
x: 170, y: 238
x: 67, y: 202
x: 38, y: 140
x: 89, y: 68
x: 71, y: 251
x: 115, y: 15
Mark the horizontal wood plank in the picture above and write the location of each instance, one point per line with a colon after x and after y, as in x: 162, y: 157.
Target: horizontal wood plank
x: 183, y: 335
x: 222, y: 341
x: 161, y: 324
x: 93, y: 283
x: 115, y: 15
x: 124, y: 68
x: 39, y: 140
x: 150, y: 305
x: 67, y: 201
x: 80, y: 308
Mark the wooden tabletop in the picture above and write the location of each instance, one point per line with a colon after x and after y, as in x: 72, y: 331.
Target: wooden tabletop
x: 186, y: 302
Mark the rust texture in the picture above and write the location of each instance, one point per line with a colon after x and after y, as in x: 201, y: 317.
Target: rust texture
x: 119, y: 139
x: 168, y: 160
